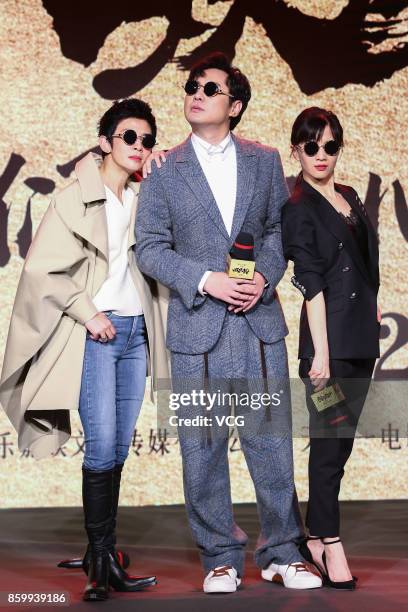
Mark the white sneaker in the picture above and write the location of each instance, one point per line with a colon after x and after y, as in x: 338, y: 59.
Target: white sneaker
x: 222, y: 579
x: 293, y: 576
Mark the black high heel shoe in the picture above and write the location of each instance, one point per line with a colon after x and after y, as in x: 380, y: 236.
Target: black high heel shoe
x: 307, y: 555
x: 345, y: 585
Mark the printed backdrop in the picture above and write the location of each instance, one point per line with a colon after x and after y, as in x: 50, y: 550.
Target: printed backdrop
x: 64, y: 62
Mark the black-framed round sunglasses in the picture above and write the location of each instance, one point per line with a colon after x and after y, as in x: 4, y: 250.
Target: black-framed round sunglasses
x: 311, y: 148
x: 129, y: 137
x: 210, y: 89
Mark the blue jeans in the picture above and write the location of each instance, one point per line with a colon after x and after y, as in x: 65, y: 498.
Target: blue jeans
x: 112, y: 390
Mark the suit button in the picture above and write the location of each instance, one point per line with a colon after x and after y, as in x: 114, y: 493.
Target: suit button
x: 346, y: 269
x: 340, y: 246
x: 353, y: 295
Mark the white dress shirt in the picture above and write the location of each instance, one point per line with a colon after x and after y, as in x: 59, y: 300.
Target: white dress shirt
x: 219, y: 164
x: 118, y: 292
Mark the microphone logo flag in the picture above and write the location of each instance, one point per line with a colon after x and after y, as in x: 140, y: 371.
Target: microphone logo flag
x: 239, y: 268
x: 241, y: 262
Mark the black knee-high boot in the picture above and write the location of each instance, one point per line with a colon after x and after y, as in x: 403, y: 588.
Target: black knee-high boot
x: 117, y: 476
x: 97, y: 495
x: 121, y: 557
x: 118, y: 578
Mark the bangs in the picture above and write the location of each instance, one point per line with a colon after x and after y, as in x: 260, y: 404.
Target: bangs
x: 311, y: 123
x: 313, y: 129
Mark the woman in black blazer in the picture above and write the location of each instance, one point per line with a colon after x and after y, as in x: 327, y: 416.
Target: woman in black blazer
x: 327, y: 234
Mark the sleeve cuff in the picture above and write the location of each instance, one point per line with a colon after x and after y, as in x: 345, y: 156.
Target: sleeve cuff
x: 82, y: 309
x: 309, y: 285
x: 202, y: 282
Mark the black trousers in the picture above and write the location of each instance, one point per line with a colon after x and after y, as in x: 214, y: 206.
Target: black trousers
x: 332, y: 434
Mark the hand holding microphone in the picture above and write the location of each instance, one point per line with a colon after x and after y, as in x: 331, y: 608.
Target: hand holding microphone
x: 236, y: 292
x: 257, y: 288
x: 240, y: 287
x: 242, y: 265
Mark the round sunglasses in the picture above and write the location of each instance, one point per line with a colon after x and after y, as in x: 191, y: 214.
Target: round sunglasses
x: 210, y: 89
x: 129, y: 137
x: 311, y: 148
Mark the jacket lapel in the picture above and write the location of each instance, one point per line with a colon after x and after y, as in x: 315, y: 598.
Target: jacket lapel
x: 337, y: 226
x: 372, y: 240
x: 247, y: 164
x: 190, y: 169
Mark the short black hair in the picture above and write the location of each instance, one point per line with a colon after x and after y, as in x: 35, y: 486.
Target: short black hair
x: 124, y: 109
x: 310, y: 125
x: 237, y: 82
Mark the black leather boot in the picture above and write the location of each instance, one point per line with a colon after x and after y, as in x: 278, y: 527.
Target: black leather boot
x: 118, y: 578
x: 121, y: 557
x: 83, y: 562
x: 122, y: 582
x: 117, y: 476
x: 111, y: 540
x: 97, y: 495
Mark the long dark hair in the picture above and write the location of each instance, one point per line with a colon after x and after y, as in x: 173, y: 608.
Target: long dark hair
x: 310, y: 125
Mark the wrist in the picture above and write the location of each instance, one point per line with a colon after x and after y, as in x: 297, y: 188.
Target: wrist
x: 322, y: 353
x: 201, y: 286
x: 91, y: 319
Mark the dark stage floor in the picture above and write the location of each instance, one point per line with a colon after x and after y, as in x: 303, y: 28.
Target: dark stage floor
x: 158, y: 540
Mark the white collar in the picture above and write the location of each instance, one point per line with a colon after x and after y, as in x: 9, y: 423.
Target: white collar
x: 127, y: 195
x: 209, y: 148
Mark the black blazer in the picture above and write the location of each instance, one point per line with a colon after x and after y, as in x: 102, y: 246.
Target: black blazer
x: 327, y: 258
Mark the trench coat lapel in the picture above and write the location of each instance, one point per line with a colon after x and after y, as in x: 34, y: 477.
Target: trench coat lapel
x: 132, y: 234
x: 190, y: 169
x: 92, y: 226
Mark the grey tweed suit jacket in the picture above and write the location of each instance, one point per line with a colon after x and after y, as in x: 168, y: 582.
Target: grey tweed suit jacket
x: 180, y: 234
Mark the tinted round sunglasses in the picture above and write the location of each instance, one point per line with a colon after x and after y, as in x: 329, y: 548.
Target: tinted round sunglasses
x: 129, y: 137
x: 210, y: 89
x: 311, y: 148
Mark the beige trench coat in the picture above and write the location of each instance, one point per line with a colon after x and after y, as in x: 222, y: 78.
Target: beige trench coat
x: 66, y: 265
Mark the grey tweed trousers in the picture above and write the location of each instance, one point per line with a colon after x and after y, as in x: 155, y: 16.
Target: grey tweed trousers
x: 234, y: 367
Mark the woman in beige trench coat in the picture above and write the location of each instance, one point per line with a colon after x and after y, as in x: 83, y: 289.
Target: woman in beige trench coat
x: 77, y: 294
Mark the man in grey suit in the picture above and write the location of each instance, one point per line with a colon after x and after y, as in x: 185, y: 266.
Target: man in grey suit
x: 225, y: 333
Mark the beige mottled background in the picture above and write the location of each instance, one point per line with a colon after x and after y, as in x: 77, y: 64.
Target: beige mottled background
x: 49, y: 114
